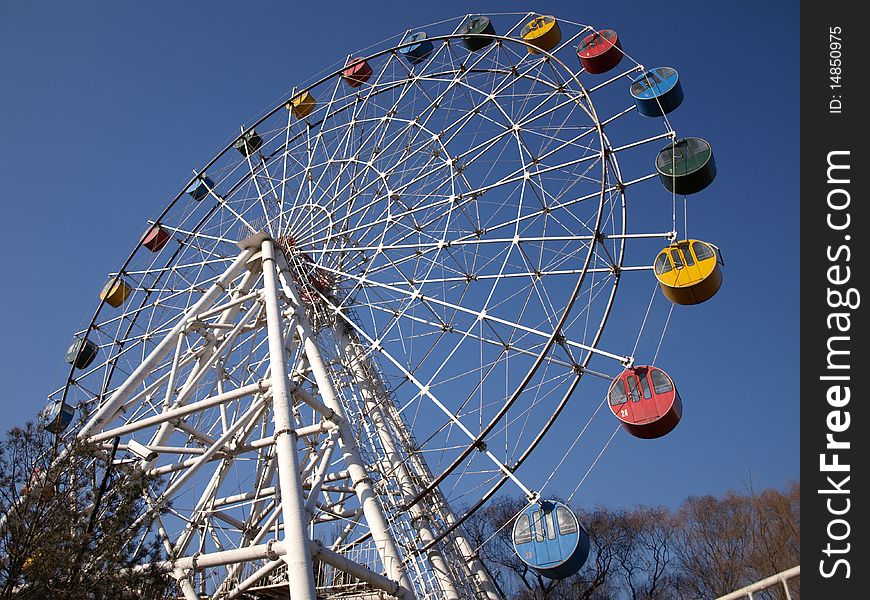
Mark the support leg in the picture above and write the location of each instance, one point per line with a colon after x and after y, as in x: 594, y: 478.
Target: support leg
x: 364, y: 380
x: 300, y: 573
x: 361, y: 482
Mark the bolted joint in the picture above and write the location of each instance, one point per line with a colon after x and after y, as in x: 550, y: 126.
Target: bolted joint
x: 316, y: 547
x: 286, y: 430
x: 362, y: 481
x: 271, y: 552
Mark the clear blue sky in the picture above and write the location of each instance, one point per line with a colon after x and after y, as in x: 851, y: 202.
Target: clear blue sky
x: 106, y: 107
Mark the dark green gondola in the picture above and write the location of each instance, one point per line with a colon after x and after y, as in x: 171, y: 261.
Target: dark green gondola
x: 686, y: 166
x: 475, y: 33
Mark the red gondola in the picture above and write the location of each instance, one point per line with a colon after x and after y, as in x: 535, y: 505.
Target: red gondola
x: 155, y: 238
x: 356, y: 74
x: 600, y: 51
x: 646, y: 402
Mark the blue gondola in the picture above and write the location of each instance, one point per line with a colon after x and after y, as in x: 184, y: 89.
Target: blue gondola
x: 416, y: 53
x: 200, y: 187
x: 657, y: 91
x: 548, y: 538
x: 57, y: 416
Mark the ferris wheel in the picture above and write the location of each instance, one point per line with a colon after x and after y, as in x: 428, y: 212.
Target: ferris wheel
x: 357, y: 322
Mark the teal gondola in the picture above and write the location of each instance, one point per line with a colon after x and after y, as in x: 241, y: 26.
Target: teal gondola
x: 81, y: 353
x: 249, y: 143
x: 476, y: 31
x: 686, y: 166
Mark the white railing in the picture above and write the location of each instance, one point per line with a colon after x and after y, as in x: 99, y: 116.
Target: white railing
x: 780, y: 578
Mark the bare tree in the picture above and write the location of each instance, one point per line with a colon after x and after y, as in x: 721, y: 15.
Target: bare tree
x: 776, y: 532
x: 714, y: 545
x: 595, y: 581
x: 730, y: 542
x: 66, y: 522
x: 645, y: 554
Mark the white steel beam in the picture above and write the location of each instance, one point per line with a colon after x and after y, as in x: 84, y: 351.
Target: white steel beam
x: 374, y: 516
x: 176, y: 485
x: 436, y: 504
x: 300, y: 572
x: 211, y: 353
x: 364, y: 379
x: 157, y: 354
x: 275, y: 549
x: 254, y: 388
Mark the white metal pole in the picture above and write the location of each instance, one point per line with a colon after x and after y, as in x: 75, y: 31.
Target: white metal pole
x: 207, y: 496
x: 364, y: 382
x: 469, y: 560
x: 317, y: 480
x: 300, y: 572
x: 359, y: 571
x: 253, y: 578
x: 203, y: 366
x: 781, y: 577
x: 477, y: 568
x: 272, y: 551
x: 258, y: 388
x: 186, y: 585
x: 361, y: 481
x: 204, y: 458
x: 253, y: 538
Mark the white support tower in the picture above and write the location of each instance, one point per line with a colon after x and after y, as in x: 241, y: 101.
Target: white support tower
x: 302, y: 456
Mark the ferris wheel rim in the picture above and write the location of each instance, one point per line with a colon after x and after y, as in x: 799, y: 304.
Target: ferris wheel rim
x: 485, y: 497
x: 337, y: 74
x: 589, y: 109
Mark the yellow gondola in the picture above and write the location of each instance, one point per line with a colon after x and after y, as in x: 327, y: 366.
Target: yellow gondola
x: 542, y: 33
x: 302, y: 104
x: 688, y: 271
x: 115, y: 292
